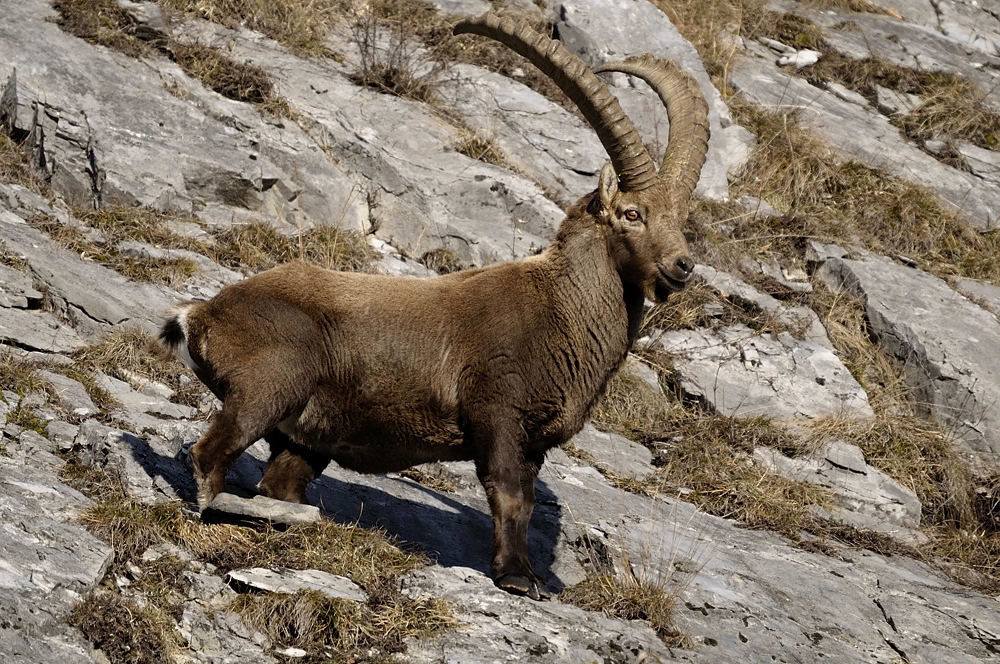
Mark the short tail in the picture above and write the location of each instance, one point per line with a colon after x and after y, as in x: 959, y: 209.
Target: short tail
x: 173, y: 337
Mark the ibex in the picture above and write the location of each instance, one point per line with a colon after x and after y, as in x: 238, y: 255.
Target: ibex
x: 495, y: 365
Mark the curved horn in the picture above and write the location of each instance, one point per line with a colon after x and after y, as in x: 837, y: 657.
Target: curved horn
x: 687, y: 144
x: 622, y: 142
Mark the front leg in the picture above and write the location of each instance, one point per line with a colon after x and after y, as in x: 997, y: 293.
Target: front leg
x: 509, y: 479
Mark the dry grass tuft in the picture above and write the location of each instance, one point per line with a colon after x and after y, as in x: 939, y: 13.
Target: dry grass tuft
x: 631, y: 598
x: 301, y: 26
x: 169, y: 271
x: 239, y: 81
x: 124, y: 630
x: 335, y: 630
x: 15, y: 166
x: 442, y: 261
x: 20, y: 376
x: 256, y: 246
x: 479, y: 147
x: 102, y: 22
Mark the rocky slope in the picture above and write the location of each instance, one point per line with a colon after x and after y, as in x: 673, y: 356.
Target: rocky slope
x: 863, y: 576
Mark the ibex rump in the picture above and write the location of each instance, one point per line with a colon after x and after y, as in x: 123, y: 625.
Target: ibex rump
x: 495, y: 365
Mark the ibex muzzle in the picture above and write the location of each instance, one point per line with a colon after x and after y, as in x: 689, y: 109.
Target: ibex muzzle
x: 495, y: 365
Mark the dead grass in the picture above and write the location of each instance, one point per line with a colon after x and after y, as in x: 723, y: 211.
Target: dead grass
x: 239, y: 81
x: 15, y: 166
x: 480, y: 147
x: 331, y: 630
x: 629, y: 598
x: 168, y: 271
x: 442, y: 261
x: 959, y: 511
x: 432, y: 480
x: 20, y: 376
x: 953, y: 108
x: 124, y: 630
x: 336, y: 630
x: 301, y: 26
x: 256, y: 246
x: 844, y: 202
x: 102, y: 22
x: 130, y: 353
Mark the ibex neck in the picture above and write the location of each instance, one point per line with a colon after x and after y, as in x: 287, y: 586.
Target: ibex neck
x: 600, y: 314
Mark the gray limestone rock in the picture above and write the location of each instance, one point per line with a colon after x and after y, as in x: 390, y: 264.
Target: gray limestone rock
x: 614, y: 453
x: 71, y: 394
x: 141, y: 401
x: 947, y: 343
x: 16, y: 289
x: 284, y: 581
x: 984, y: 294
x: 864, y: 497
x: 799, y: 318
x: 586, y: 29
x: 891, y: 102
x: 92, y: 295
x: 421, y: 195
x: 229, y: 507
x: 99, y: 145
x: 62, y: 434
x: 742, y: 374
x: 536, y: 135
x: 981, y: 162
x: 37, y: 330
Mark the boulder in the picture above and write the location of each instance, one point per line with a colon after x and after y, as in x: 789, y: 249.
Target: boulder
x: 863, y: 496
x: 947, y: 343
x: 740, y: 373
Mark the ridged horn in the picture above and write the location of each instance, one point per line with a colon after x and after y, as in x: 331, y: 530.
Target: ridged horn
x: 687, y: 144
x: 634, y: 166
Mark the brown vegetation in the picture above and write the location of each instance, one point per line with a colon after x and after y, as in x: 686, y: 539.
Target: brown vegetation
x: 15, y: 166
x: 301, y: 26
x: 256, y: 246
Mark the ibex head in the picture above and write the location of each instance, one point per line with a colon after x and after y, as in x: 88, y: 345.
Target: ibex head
x: 643, y: 211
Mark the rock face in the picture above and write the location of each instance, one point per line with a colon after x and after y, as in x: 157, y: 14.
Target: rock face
x: 740, y: 373
x: 947, y: 343
x: 104, y: 129
x: 864, y: 497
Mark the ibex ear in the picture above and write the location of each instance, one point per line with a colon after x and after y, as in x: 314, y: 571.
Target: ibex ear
x: 607, y: 187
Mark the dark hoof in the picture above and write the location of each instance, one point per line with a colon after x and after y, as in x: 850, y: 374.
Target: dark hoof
x: 518, y: 584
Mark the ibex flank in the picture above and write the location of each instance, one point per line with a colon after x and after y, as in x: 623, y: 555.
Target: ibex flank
x: 495, y: 365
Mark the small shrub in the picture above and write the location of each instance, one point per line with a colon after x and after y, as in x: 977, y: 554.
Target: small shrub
x: 631, y: 598
x: 389, y: 61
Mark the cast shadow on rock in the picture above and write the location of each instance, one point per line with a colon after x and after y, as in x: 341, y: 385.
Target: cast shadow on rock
x: 450, y: 531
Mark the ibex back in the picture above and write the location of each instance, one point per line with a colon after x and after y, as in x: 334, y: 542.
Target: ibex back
x: 495, y: 365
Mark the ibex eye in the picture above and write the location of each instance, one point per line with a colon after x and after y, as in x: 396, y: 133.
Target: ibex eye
x: 632, y: 215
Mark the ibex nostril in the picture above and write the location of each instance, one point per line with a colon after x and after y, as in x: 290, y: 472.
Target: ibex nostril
x: 686, y: 265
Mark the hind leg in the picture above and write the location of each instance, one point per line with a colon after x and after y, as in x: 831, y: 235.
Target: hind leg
x: 290, y: 470
x: 232, y: 431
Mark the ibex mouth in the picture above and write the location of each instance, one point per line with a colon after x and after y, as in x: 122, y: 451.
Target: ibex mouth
x: 666, y: 284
